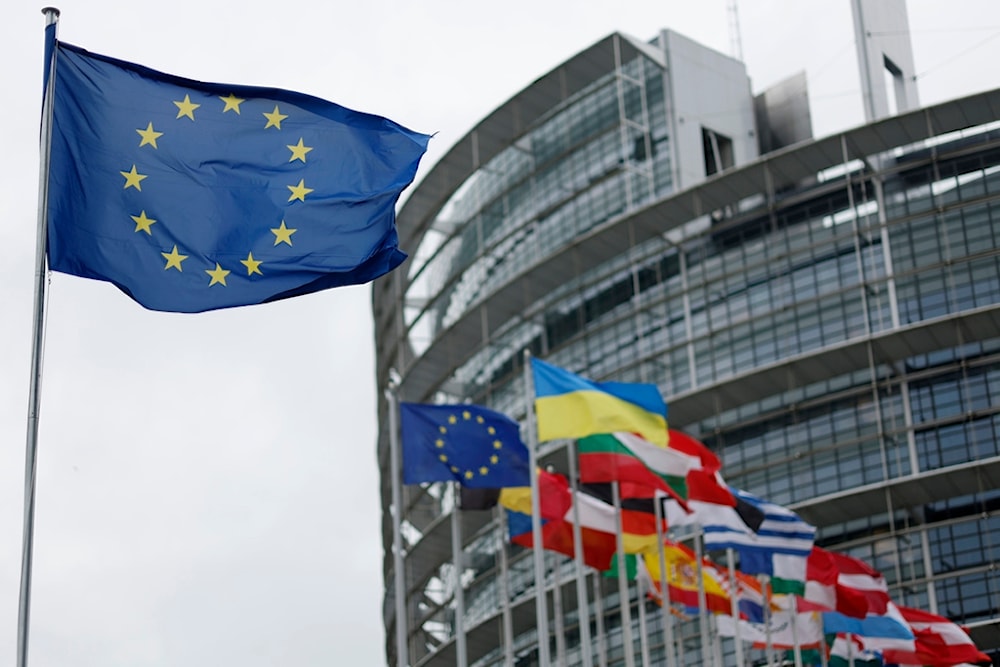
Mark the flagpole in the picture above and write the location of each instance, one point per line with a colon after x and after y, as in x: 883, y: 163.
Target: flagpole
x: 461, y: 654
x: 797, y: 652
x: 602, y: 648
x: 508, y: 625
x: 557, y: 611
x: 768, y: 644
x: 734, y: 592
x: 541, y: 610
x: 582, y: 603
x: 395, y: 471
x: 37, y: 347
x: 702, y: 599
x: 643, y: 638
x: 624, y: 597
x: 668, y: 620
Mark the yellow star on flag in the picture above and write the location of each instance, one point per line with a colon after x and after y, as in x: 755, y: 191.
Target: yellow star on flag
x: 283, y: 234
x: 299, y: 191
x: 299, y: 151
x: 133, y: 179
x: 149, y: 136
x: 251, y: 264
x: 142, y: 222
x: 186, y: 107
x: 274, y: 118
x: 218, y: 275
x: 232, y: 103
x: 174, y: 259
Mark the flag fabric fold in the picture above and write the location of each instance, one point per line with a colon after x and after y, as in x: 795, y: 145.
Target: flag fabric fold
x: 888, y: 629
x: 844, y: 584
x: 569, y: 406
x: 469, y: 444
x: 193, y: 196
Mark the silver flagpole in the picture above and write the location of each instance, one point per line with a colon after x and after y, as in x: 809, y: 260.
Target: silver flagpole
x: 508, y: 625
x: 702, y: 600
x: 716, y: 641
x: 557, y: 610
x: 624, y: 597
x: 37, y: 347
x: 602, y: 645
x: 461, y: 656
x: 541, y: 608
x: 395, y: 470
x: 734, y: 599
x: 582, y: 603
x: 768, y: 647
x: 668, y: 618
x: 795, y: 631
x: 643, y: 636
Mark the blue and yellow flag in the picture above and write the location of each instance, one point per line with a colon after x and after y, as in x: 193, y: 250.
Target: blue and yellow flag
x: 469, y: 444
x: 569, y: 406
x: 193, y: 196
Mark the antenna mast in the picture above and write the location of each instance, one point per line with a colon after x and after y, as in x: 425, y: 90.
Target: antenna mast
x: 735, y: 44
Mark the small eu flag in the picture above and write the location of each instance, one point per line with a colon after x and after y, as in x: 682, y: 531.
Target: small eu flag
x: 193, y: 196
x: 470, y: 444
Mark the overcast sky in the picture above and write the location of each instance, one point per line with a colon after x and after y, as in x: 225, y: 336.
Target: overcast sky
x: 207, y: 488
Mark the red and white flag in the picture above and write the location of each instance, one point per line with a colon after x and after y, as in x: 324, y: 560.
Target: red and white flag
x: 938, y: 642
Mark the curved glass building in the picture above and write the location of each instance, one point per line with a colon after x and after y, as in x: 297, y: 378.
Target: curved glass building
x: 823, y: 313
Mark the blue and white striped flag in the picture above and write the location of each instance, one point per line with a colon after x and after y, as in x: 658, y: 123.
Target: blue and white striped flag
x: 778, y: 548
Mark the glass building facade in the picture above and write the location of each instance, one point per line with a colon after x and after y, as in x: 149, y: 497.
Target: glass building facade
x: 825, y: 317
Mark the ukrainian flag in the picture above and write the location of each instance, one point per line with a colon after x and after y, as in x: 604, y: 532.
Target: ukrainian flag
x: 569, y: 406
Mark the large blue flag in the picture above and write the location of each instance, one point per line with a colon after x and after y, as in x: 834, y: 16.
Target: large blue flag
x: 470, y: 444
x: 193, y: 196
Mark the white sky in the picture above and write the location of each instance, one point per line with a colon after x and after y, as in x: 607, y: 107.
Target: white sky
x: 207, y: 489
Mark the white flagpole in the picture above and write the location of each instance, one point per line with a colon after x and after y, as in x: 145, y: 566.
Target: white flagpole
x: 508, y: 625
x: 557, y: 611
x: 602, y: 646
x: 794, y: 606
x: 668, y: 619
x: 624, y: 597
x: 768, y: 647
x: 395, y: 471
x: 702, y: 600
x: 582, y: 603
x: 37, y: 346
x: 643, y: 638
x: 734, y: 596
x: 459, y: 595
x: 541, y: 608
x: 716, y: 641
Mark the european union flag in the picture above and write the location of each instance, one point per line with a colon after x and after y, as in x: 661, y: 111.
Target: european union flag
x: 193, y: 196
x: 470, y: 444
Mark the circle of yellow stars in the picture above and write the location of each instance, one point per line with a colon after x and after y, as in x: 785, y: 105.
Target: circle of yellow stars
x: 186, y: 109
x: 441, y: 445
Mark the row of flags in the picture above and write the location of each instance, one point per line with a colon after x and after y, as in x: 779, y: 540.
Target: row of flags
x: 634, y: 472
